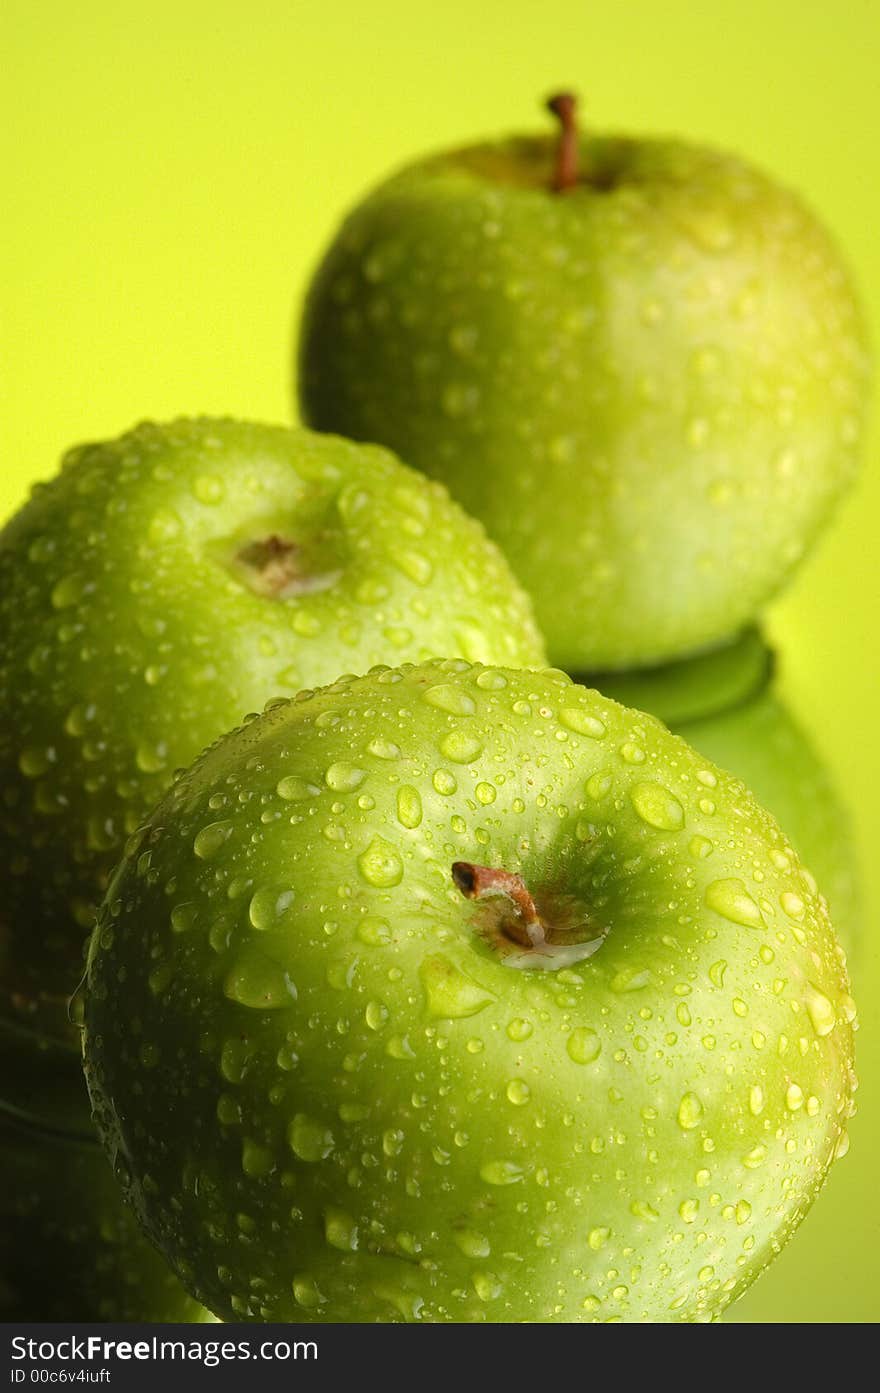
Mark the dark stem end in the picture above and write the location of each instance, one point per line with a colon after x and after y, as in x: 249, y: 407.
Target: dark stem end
x: 564, y: 106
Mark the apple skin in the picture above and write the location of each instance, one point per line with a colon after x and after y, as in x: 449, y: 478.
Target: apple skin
x: 133, y: 632
x: 332, y: 1096
x: 650, y: 388
x: 69, y: 1248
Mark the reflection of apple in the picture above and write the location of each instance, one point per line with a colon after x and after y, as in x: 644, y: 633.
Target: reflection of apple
x: 69, y: 1249
x: 750, y: 732
x: 690, y: 689
x: 645, y: 371
x: 164, y: 584
x: 343, y: 1101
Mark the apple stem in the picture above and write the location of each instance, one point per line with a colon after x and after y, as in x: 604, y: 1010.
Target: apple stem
x: 480, y: 882
x: 565, y: 176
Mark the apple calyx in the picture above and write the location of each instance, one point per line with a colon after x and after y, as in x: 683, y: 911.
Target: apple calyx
x: 274, y: 566
x: 565, y: 175
x: 513, y: 924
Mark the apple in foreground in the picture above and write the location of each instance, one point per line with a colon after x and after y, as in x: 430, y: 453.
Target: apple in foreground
x: 451, y: 993
x: 168, y: 582
x: 639, y: 361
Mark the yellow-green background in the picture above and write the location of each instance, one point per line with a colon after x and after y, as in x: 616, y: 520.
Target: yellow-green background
x: 172, y: 170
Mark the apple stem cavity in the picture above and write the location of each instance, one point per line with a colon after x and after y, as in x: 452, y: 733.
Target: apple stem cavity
x: 478, y: 882
x: 565, y: 176
x: 274, y: 566
x: 517, y: 930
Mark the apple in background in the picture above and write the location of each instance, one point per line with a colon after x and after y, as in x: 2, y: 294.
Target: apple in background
x: 69, y: 1248
x: 168, y: 582
x: 639, y: 361
x: 465, y: 994
x: 726, y: 706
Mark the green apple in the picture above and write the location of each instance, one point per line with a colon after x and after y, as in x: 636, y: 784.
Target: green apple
x: 639, y: 361
x: 451, y: 993
x: 726, y: 706
x: 69, y: 1248
x: 164, y: 584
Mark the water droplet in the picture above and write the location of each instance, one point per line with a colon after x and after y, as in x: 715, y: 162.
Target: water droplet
x: 501, y: 1172
x: 519, y: 1029
x: 294, y: 789
x: 486, y: 1285
x: 380, y: 864
x: 598, y: 785
x: 732, y: 901
x: 576, y: 719
x: 309, y: 1140
x: 755, y: 1158
x: 344, y: 777
x: 256, y: 982
x: 716, y: 973
x: 657, y: 807
x: 409, y: 806
x: 756, y: 1100
x: 67, y: 591
x: 374, y: 931
x: 490, y: 680
x: 256, y: 1161
x: 452, y: 699
x: 209, y: 841
x: 183, y: 916
x: 207, y: 489
x: 486, y: 793
x: 792, y: 904
x: 632, y: 753
x: 471, y: 1243
x: 688, y: 1210
x: 630, y: 979
x: 794, y: 1097
x: 384, y: 749
x: 306, y: 1293
x: 641, y: 1209
x: 461, y: 747
x: 518, y: 1092
x: 583, y: 1045
x: 444, y: 782
x: 376, y: 1015
x: 269, y: 905
x: 700, y: 847
x: 340, y: 1230
x: 151, y: 759
x: 450, y: 993
x: 597, y: 1238
x: 33, y: 762
x: 690, y: 1112
x: 820, y: 1010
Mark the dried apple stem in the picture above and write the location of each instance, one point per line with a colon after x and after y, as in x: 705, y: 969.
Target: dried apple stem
x: 565, y: 176
x: 480, y: 882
